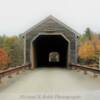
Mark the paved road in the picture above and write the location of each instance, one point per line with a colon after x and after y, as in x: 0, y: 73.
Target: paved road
x: 50, y: 80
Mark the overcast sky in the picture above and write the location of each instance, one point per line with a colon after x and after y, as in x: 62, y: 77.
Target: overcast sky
x: 16, y: 16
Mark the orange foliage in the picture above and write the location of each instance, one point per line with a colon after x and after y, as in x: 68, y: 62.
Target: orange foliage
x: 3, y: 57
x: 98, y: 45
x: 86, y: 50
x: 96, y: 42
x: 89, y: 48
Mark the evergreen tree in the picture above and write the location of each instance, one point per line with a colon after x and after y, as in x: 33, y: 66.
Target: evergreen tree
x: 88, y: 34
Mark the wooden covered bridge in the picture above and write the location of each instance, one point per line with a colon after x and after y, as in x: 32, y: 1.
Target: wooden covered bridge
x: 50, y: 43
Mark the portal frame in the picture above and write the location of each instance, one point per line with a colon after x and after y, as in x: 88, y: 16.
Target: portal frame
x: 32, y: 51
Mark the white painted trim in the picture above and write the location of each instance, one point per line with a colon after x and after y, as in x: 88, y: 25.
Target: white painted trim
x: 39, y: 34
x: 31, y: 56
x: 43, y: 33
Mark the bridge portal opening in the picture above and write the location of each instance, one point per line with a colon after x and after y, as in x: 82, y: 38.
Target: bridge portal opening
x: 50, y: 51
x: 54, y: 57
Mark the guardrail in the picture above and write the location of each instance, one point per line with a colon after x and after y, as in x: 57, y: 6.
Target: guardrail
x: 11, y: 71
x: 86, y: 69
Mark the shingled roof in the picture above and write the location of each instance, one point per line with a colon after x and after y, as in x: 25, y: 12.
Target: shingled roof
x: 53, y: 19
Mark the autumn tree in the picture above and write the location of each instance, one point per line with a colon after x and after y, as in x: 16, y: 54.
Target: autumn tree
x: 14, y: 47
x: 86, y: 50
x: 89, y: 47
x: 3, y: 58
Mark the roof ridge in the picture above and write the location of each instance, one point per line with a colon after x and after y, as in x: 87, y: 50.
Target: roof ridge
x: 56, y: 20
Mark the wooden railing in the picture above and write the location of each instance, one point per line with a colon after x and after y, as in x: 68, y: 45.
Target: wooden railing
x: 11, y: 71
x: 85, y: 69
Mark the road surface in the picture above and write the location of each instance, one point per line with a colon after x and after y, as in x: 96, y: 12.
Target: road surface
x: 50, y: 80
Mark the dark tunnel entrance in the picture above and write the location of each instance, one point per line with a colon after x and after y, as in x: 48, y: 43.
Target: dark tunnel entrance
x: 50, y: 51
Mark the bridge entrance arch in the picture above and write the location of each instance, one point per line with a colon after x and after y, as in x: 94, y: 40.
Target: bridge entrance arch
x: 50, y: 50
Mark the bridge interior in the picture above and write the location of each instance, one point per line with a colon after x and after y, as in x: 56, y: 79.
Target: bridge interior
x: 51, y: 51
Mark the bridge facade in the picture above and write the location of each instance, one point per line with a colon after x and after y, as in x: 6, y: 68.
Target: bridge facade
x: 50, y: 36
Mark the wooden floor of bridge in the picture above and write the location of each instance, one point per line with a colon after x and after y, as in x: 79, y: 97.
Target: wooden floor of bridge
x: 50, y: 80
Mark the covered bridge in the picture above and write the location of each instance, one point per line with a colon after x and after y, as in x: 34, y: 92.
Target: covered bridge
x: 50, y: 43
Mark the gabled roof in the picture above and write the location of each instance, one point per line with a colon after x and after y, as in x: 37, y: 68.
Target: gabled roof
x: 50, y: 17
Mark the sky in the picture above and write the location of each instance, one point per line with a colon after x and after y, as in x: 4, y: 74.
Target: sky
x: 16, y: 16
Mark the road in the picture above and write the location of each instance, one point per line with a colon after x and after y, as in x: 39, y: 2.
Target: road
x: 50, y: 80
